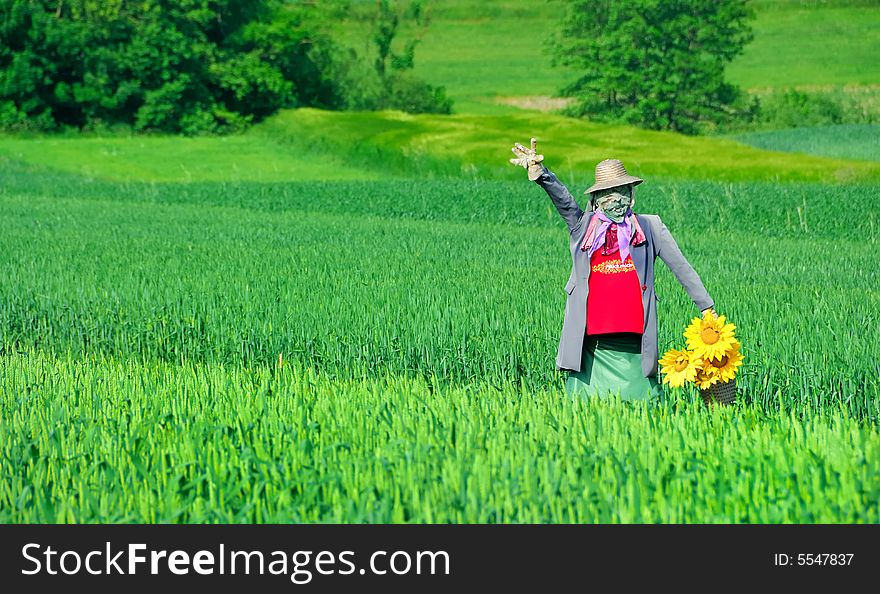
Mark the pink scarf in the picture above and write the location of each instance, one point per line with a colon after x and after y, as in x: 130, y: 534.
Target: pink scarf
x: 595, y: 238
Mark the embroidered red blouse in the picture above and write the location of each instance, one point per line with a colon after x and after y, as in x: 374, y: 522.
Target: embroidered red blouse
x: 614, y: 303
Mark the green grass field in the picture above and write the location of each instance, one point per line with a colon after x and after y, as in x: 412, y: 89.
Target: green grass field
x: 802, y: 43
x: 853, y: 141
x: 142, y: 323
x: 483, y: 51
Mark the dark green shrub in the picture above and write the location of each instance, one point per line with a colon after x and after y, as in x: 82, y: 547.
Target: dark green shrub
x: 790, y: 108
x: 408, y: 93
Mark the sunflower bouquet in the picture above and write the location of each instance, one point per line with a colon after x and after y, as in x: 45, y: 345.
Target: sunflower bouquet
x: 710, y: 360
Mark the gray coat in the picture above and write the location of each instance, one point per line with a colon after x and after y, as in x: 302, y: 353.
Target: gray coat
x: 659, y: 243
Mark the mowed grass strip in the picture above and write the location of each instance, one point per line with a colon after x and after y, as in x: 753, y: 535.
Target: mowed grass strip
x: 310, y: 144
x: 98, y: 440
x: 176, y: 158
x: 479, y: 145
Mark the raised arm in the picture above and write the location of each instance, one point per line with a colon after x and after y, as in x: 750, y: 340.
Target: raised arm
x: 562, y: 199
x: 566, y: 205
x: 669, y: 252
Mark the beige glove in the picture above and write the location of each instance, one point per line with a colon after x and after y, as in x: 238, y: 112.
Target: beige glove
x: 528, y: 159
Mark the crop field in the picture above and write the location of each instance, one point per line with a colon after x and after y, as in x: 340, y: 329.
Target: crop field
x: 853, y: 141
x: 130, y: 442
x: 371, y: 348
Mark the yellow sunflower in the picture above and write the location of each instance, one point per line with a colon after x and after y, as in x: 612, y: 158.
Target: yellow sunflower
x: 725, y: 367
x: 706, y: 377
x: 709, y: 337
x: 678, y: 367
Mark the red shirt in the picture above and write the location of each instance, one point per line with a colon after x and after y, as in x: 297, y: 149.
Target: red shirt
x: 614, y: 303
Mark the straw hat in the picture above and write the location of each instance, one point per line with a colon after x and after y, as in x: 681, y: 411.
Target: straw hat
x: 611, y: 173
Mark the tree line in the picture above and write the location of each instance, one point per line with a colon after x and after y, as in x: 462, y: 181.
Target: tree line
x: 193, y: 66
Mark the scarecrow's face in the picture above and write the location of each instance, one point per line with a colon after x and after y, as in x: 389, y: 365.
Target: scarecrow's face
x: 614, y: 202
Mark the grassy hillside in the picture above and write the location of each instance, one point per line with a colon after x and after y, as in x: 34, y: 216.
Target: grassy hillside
x: 481, y: 144
x: 807, y: 43
x: 309, y: 144
x: 167, y: 158
x: 483, y: 51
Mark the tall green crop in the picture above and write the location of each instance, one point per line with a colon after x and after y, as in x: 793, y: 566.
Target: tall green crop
x: 98, y: 440
x: 141, y: 327
x: 458, y: 279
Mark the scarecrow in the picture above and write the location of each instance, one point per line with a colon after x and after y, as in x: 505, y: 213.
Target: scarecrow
x: 609, y: 331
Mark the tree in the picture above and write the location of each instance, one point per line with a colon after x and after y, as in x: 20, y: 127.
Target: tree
x: 390, y: 83
x: 654, y: 63
x: 167, y: 65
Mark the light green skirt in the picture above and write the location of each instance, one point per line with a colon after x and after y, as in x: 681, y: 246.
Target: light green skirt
x: 612, y: 364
